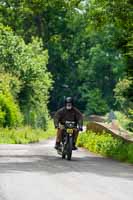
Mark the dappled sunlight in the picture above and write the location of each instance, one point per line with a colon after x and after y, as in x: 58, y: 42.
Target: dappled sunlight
x: 43, y: 159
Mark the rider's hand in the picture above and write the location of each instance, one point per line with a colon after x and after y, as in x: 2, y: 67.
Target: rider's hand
x: 80, y: 128
x: 61, y: 127
x: 56, y: 126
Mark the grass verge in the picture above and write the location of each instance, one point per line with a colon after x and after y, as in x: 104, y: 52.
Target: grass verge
x: 25, y: 135
x: 107, y: 145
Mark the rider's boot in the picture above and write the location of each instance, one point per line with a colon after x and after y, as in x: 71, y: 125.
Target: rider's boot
x: 57, y: 145
x: 74, y: 147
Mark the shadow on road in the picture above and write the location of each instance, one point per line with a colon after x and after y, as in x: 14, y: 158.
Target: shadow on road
x: 53, y: 164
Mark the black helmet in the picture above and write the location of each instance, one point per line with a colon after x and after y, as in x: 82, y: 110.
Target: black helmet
x: 68, y: 100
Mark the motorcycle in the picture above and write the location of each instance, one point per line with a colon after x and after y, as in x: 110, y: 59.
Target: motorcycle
x: 67, y: 140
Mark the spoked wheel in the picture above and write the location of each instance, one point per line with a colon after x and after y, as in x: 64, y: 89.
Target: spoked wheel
x: 69, y: 156
x: 69, y: 148
x: 64, y: 152
x: 63, y: 155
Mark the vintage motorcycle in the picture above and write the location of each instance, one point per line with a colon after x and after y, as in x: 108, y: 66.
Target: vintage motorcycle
x: 67, y: 140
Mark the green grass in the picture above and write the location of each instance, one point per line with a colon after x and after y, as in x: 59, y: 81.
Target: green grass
x: 107, y: 145
x: 25, y: 135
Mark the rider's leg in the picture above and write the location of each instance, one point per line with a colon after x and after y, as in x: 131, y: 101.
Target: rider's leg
x: 58, y: 138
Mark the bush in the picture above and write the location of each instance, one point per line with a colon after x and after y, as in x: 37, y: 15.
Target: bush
x: 123, y: 91
x: 107, y: 145
x: 123, y: 120
x: 130, y: 124
x: 130, y: 153
x: 10, y: 115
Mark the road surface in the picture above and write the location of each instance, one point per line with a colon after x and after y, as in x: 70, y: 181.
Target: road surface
x: 36, y: 172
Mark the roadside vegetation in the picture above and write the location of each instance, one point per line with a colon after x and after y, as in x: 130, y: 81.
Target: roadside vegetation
x: 124, y: 122
x: 25, y: 135
x: 57, y: 48
x: 107, y: 145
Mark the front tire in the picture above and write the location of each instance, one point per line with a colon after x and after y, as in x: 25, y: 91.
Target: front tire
x: 69, y: 148
x: 63, y: 155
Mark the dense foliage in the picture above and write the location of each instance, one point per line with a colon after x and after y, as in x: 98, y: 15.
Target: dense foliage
x: 10, y: 114
x: 24, y: 79
x: 89, y: 44
x: 25, y: 135
x: 107, y: 145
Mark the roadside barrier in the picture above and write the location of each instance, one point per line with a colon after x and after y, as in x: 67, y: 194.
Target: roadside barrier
x: 99, y: 127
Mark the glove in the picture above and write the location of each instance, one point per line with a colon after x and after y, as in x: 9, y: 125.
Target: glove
x: 80, y: 129
x: 56, y: 126
x: 61, y: 126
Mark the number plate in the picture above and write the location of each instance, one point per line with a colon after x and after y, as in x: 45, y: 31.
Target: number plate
x: 70, y: 131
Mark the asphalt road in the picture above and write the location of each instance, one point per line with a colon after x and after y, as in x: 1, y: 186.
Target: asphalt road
x: 36, y: 172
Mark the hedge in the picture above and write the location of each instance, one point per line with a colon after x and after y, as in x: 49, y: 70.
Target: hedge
x: 10, y: 115
x: 107, y: 145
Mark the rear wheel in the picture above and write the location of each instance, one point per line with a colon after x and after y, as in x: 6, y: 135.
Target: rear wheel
x: 69, y: 148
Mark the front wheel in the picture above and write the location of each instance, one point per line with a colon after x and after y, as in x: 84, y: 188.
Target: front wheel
x: 63, y: 155
x: 69, y: 148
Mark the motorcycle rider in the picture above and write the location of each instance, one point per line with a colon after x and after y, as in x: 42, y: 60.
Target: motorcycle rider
x: 67, y: 113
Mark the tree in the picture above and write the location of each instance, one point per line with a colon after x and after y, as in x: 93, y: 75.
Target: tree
x: 10, y: 115
x: 89, y: 43
x: 50, y: 20
x: 28, y: 64
x: 122, y: 92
